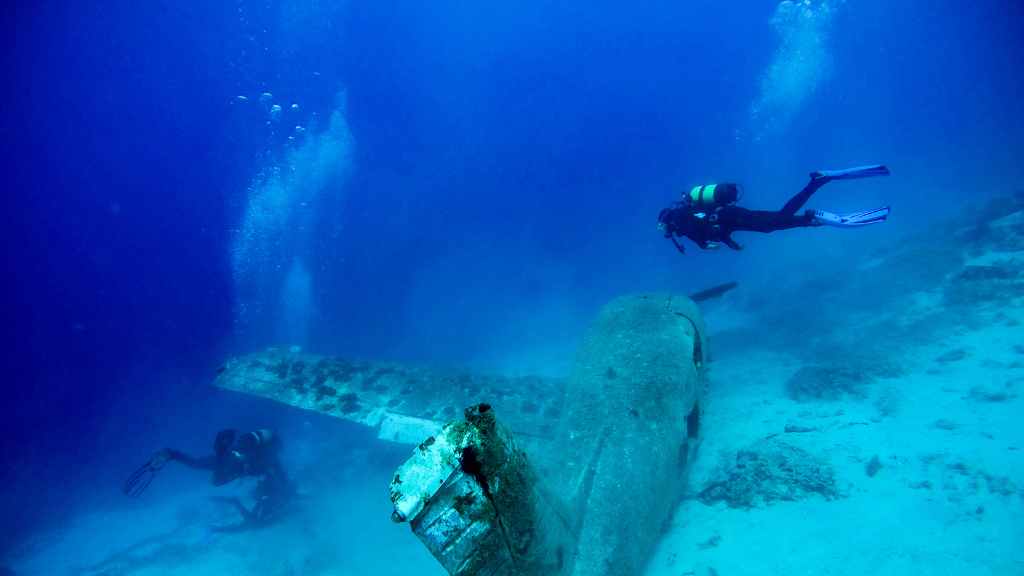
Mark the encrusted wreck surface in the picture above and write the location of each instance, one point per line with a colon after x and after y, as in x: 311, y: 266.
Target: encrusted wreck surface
x: 580, y: 476
x: 475, y: 501
x: 404, y: 403
x: 631, y: 427
x: 616, y: 467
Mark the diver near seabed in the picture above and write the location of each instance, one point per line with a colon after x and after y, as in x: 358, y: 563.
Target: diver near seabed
x: 708, y: 215
x: 235, y: 456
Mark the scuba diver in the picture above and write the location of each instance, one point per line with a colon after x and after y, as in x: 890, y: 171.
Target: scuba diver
x: 253, y: 454
x: 708, y: 215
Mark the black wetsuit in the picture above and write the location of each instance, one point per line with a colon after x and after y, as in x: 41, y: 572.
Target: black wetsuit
x: 252, y: 454
x: 706, y: 227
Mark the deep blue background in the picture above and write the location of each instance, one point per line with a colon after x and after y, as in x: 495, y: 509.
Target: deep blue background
x: 509, y: 155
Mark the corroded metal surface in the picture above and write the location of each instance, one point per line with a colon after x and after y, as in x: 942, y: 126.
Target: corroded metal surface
x: 475, y: 502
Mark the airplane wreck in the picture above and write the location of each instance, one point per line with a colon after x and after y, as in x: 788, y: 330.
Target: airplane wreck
x: 527, y: 476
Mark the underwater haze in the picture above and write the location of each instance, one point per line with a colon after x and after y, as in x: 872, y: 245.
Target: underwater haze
x: 466, y: 184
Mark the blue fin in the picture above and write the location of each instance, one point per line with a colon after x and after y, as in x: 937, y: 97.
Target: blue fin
x: 851, y: 173
x: 864, y: 218
x: 867, y: 217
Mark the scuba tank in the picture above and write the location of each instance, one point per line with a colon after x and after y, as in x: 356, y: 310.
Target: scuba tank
x: 712, y: 196
x: 705, y: 202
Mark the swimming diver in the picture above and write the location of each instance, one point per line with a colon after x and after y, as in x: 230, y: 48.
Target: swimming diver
x: 253, y: 454
x: 708, y: 216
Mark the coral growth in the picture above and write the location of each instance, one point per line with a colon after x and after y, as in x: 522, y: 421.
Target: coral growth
x: 825, y: 383
x: 768, y: 471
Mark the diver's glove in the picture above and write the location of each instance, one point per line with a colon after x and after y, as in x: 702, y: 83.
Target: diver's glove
x: 141, y: 478
x: 823, y: 218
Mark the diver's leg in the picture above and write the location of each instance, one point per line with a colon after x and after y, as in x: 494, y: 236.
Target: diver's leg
x: 736, y: 219
x: 247, y: 515
x: 801, y: 197
x: 822, y: 177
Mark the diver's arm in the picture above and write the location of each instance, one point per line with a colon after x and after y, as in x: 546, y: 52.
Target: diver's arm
x: 677, y: 244
x: 203, y: 463
x: 728, y: 241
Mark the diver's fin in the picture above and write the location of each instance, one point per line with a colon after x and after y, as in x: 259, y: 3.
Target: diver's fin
x: 852, y: 173
x: 143, y: 476
x: 820, y: 217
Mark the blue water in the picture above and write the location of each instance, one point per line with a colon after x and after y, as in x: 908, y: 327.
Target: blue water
x: 444, y: 182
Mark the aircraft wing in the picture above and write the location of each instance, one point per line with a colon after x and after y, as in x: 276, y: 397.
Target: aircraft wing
x: 406, y: 404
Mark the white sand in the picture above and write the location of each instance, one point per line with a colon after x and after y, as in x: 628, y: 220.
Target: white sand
x: 886, y: 524
x: 343, y: 531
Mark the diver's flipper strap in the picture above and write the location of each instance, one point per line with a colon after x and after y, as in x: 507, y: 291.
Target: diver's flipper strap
x: 868, y: 171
